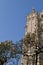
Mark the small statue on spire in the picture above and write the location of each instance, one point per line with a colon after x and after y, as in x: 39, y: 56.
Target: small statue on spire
x: 33, y: 10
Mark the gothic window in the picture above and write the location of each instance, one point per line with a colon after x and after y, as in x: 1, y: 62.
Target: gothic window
x: 42, y: 16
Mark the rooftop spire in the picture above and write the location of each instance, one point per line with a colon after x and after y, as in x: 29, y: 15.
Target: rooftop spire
x: 33, y: 10
x: 42, y: 10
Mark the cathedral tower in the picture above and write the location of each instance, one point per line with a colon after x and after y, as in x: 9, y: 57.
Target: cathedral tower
x: 34, y: 24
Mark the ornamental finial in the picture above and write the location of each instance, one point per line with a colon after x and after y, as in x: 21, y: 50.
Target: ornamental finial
x: 33, y: 10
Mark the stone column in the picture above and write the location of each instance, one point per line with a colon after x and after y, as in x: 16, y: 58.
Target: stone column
x: 24, y: 60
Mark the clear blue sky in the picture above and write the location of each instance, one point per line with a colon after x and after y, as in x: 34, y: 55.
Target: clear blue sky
x: 13, y: 17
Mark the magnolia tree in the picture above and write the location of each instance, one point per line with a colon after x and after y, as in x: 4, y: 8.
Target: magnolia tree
x: 10, y: 50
